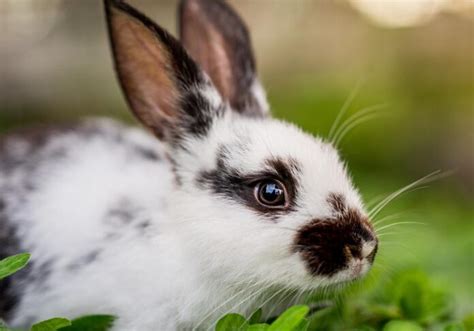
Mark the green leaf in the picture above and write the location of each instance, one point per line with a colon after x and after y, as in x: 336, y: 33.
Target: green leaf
x: 411, y: 301
x: 12, y: 264
x: 256, y: 316
x: 3, y: 326
x: 402, y: 326
x: 91, y: 323
x: 290, y: 319
x: 232, y: 322
x: 366, y: 328
x: 454, y: 327
x: 52, y: 324
x: 468, y: 322
x: 303, y: 326
x: 258, y: 327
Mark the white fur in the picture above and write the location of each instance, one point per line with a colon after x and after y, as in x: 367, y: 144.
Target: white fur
x: 260, y: 95
x: 200, y: 250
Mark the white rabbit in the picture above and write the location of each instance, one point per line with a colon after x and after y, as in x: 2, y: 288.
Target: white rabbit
x: 220, y: 209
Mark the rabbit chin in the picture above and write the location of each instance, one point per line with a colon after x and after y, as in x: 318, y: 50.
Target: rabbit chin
x: 354, y: 271
x: 305, y: 281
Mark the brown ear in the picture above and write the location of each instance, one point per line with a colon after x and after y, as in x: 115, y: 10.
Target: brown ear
x: 215, y: 36
x: 161, y: 83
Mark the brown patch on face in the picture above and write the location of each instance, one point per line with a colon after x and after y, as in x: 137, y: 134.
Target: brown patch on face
x: 338, y: 202
x: 327, y: 245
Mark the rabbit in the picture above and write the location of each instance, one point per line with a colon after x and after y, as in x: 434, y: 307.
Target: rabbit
x: 216, y: 207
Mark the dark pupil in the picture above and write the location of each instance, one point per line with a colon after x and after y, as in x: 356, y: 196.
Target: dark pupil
x: 271, y: 192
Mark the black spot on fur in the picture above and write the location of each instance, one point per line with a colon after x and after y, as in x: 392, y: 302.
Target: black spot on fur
x: 147, y: 153
x: 199, y: 114
x: 38, y: 274
x: 32, y: 140
x: 84, y: 260
x: 338, y: 203
x: 143, y: 225
x: 174, y: 168
x: 124, y: 212
x: 233, y: 185
x: 326, y: 245
x: 125, y: 216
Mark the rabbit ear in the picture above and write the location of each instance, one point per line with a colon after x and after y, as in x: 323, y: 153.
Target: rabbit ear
x: 164, y: 87
x: 216, y: 37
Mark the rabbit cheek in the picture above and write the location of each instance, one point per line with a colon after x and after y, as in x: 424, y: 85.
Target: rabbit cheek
x: 342, y: 246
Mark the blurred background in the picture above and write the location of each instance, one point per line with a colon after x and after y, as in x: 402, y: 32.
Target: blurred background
x: 414, y: 56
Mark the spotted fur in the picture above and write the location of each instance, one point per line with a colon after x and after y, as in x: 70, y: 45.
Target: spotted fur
x: 166, y: 233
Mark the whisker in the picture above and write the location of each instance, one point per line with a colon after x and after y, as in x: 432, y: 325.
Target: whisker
x: 386, y: 234
x: 279, y: 301
x: 359, y: 117
x: 350, y: 127
x: 232, y: 297
x: 276, y: 294
x: 387, y: 218
x: 424, y: 180
x: 398, y: 223
x: 344, y: 108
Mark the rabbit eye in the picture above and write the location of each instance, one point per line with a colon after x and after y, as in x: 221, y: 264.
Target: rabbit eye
x: 271, y: 193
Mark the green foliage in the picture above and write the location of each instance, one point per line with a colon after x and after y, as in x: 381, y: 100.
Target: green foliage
x: 52, y: 324
x: 292, y: 319
x: 256, y: 316
x: 402, y: 326
x: 410, y: 301
x: 454, y: 327
x: 469, y: 322
x: 12, y: 264
x: 3, y: 326
x: 86, y: 323
x: 232, y: 322
x: 91, y: 323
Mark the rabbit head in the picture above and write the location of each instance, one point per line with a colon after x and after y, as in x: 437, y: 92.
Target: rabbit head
x: 255, y: 198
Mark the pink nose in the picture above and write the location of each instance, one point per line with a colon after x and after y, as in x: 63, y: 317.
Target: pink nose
x: 368, y: 248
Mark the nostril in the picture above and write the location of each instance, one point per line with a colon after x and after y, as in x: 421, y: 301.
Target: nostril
x: 355, y: 250
x: 369, y: 249
x: 352, y: 250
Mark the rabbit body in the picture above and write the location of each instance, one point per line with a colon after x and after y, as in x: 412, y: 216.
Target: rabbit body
x: 221, y: 209
x: 97, y: 207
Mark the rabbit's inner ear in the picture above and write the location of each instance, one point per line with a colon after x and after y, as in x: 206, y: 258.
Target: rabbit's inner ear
x: 216, y: 37
x: 163, y: 85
